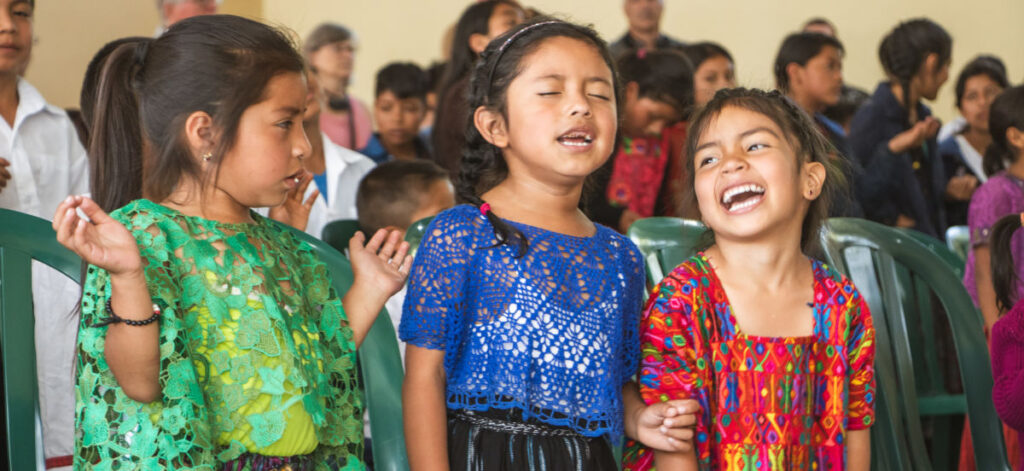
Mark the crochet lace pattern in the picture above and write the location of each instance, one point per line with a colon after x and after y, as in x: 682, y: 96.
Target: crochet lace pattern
x: 553, y: 333
x: 251, y: 326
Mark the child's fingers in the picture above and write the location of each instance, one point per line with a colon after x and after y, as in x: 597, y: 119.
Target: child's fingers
x: 681, y: 434
x: 63, y: 226
x: 93, y: 211
x: 401, y: 252
x: 387, y: 252
x: 681, y: 421
x: 681, y: 406
x: 375, y: 242
x: 304, y: 182
x: 406, y: 265
x: 308, y: 204
x: 356, y: 242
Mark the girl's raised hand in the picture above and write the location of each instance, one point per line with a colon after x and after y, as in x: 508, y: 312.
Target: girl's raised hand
x: 103, y: 242
x: 295, y: 211
x: 383, y: 263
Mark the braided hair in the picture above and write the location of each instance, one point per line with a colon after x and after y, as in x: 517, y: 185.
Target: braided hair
x: 483, y: 165
x: 904, y: 50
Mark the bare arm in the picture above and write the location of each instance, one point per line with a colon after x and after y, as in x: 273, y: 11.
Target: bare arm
x: 676, y: 461
x: 132, y: 352
x: 858, y: 450
x: 380, y: 268
x: 983, y: 282
x: 423, y: 409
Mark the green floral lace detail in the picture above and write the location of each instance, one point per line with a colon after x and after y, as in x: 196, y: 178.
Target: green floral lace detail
x: 291, y: 343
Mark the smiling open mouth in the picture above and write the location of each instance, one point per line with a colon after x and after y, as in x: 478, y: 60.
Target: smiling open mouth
x: 576, y: 139
x: 742, y: 197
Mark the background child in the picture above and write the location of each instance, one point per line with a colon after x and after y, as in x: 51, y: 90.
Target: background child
x: 210, y: 337
x: 479, y: 24
x: 398, y: 109
x: 396, y: 194
x: 893, y: 134
x: 41, y: 162
x: 1008, y: 331
x: 330, y: 50
x: 809, y: 70
x: 762, y: 179
x: 637, y: 179
x: 713, y: 70
x: 977, y: 85
x: 521, y: 328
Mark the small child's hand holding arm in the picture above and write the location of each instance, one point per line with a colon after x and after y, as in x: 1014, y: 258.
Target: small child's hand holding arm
x: 132, y: 352
x: 381, y: 267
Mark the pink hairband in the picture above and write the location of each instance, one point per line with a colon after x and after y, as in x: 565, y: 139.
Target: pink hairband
x: 484, y: 208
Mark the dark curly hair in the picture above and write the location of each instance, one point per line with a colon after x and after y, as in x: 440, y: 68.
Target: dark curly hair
x: 801, y: 133
x: 483, y: 166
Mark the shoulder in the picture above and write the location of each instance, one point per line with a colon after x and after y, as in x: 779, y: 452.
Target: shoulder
x: 949, y: 145
x: 834, y: 286
x: 693, y: 274
x: 460, y: 222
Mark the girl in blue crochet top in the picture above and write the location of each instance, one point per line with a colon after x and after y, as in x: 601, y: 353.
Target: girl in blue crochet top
x: 522, y: 315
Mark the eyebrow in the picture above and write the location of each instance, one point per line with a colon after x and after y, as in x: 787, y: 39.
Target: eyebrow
x: 741, y: 136
x: 289, y: 110
x: 562, y: 77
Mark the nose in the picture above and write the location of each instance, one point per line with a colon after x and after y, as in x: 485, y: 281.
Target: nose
x: 579, y: 105
x: 6, y: 22
x: 733, y: 161
x: 302, y: 148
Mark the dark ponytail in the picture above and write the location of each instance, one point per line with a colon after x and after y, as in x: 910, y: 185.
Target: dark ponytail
x: 1004, y: 268
x: 483, y: 166
x: 147, y: 88
x: 904, y: 50
x: 1007, y: 111
x: 115, y: 144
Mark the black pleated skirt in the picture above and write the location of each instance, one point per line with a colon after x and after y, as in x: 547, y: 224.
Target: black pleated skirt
x: 498, y: 440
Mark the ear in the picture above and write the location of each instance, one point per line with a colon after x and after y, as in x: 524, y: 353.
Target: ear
x: 492, y: 126
x: 813, y: 181
x: 931, y: 64
x: 199, y: 132
x: 793, y: 71
x: 478, y: 42
x: 632, y: 94
x: 1015, y: 137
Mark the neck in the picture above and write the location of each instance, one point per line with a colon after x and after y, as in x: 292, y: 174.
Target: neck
x: 768, y: 265
x: 897, y: 91
x: 536, y: 203
x: 646, y: 38
x: 315, y: 163
x: 1017, y: 167
x: 808, y: 104
x: 978, y: 138
x: 9, y: 98
x: 334, y: 86
x: 208, y: 203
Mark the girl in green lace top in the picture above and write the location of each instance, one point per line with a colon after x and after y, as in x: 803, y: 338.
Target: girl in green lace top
x: 211, y: 338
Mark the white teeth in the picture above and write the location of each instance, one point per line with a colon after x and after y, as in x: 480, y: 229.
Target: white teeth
x: 746, y: 204
x: 732, y: 192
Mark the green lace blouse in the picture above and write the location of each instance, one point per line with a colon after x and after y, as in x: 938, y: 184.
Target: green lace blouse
x: 251, y: 329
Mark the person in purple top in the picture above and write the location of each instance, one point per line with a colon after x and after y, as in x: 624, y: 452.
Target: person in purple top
x: 1008, y: 331
x: 1001, y: 194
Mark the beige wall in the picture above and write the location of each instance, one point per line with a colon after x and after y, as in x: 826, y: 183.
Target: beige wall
x: 70, y: 31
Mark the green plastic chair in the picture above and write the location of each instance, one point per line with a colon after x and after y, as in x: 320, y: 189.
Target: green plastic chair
x: 381, y: 365
x: 24, y: 238
x: 873, y: 256
x: 338, y: 233
x: 958, y: 238
x: 414, y: 235
x: 665, y: 242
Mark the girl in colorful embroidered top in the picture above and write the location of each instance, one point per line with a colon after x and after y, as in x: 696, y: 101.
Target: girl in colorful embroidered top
x: 211, y: 337
x: 521, y: 316
x: 777, y: 348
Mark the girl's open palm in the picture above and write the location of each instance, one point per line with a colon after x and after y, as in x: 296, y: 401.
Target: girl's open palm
x: 382, y: 263
x: 104, y: 242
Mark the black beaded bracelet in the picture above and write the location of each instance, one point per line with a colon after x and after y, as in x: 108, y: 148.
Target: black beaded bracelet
x: 115, y: 319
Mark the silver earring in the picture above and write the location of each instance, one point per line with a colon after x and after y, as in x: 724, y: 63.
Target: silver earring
x: 207, y: 156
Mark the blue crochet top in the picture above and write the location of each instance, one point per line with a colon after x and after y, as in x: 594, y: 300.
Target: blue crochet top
x: 553, y: 334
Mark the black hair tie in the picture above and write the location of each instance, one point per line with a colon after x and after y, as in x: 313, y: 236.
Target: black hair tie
x: 141, y: 51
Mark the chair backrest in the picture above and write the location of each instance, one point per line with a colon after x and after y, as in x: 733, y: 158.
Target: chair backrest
x: 873, y: 256
x: 380, y: 363
x: 665, y: 242
x: 24, y: 238
x: 958, y: 238
x: 414, y: 235
x: 338, y: 233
